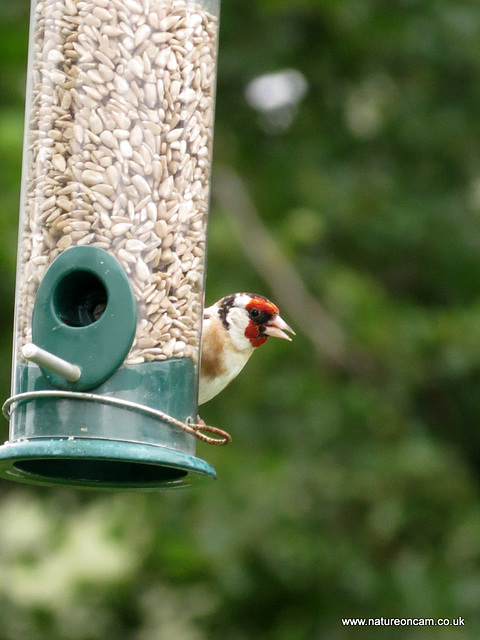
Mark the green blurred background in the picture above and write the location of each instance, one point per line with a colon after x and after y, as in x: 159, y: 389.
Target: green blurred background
x: 347, y: 190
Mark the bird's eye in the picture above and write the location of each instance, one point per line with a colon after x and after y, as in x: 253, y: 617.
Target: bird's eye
x: 260, y: 317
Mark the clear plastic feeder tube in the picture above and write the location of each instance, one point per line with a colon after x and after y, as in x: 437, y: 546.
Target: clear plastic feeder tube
x: 118, y: 142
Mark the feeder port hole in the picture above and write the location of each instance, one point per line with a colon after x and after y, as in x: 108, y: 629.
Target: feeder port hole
x: 80, y: 298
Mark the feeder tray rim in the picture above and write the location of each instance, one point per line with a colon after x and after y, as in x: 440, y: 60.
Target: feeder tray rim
x: 108, y: 463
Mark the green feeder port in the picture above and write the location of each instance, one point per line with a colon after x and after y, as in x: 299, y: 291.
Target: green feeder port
x: 85, y: 314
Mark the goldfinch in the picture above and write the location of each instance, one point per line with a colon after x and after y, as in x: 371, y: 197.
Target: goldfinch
x: 232, y: 329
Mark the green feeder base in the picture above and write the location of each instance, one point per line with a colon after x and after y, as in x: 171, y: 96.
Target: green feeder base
x: 115, y: 438
x: 101, y: 464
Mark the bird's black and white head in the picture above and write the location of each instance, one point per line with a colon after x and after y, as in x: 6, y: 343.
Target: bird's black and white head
x: 251, y: 319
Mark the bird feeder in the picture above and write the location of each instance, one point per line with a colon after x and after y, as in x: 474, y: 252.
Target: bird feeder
x: 110, y: 279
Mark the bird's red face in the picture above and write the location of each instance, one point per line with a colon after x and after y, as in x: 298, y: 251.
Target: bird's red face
x: 264, y: 321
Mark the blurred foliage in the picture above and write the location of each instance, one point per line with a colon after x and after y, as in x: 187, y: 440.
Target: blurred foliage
x: 344, y: 493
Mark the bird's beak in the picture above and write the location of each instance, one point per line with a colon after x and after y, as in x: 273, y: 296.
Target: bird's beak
x: 277, y: 327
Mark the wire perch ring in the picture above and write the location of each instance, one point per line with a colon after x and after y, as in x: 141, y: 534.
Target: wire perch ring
x: 195, y: 429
